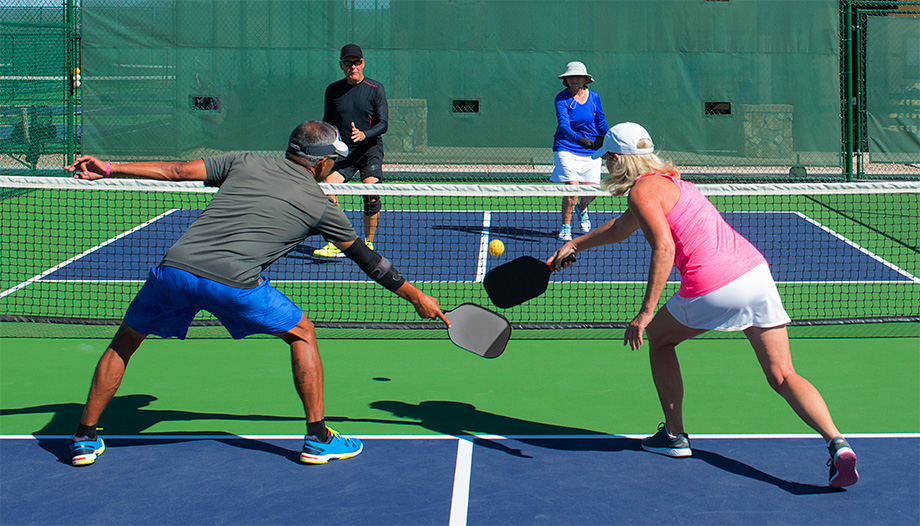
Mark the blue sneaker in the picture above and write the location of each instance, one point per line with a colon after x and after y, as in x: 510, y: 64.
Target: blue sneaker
x: 85, y: 450
x: 335, y: 447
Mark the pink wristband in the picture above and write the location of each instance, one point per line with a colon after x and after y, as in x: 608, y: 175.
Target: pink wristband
x: 108, y: 169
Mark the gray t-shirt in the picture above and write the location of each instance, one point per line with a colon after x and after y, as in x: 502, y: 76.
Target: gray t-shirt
x: 265, y: 207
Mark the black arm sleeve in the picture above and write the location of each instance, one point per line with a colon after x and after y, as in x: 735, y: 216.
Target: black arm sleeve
x: 381, y: 115
x: 328, y: 108
x: 377, y: 267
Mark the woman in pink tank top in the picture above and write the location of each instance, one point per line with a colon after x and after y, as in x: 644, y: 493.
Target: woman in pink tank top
x: 725, y: 285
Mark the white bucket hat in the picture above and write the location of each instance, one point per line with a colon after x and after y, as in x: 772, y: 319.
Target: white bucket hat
x: 624, y: 139
x: 576, y: 69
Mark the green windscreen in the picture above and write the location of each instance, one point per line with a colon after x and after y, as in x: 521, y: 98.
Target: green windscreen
x: 893, y: 88
x: 729, y: 83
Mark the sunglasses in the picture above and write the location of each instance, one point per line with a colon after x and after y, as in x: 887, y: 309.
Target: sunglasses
x: 350, y: 63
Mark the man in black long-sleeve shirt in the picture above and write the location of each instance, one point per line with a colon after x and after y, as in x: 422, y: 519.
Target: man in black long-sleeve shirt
x: 357, y: 106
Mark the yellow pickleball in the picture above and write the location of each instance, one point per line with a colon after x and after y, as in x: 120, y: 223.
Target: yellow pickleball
x: 496, y: 247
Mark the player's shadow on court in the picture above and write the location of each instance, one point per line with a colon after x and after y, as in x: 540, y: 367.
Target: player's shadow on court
x: 740, y: 468
x: 729, y: 465
x: 459, y: 419
x: 129, y: 415
x: 513, y: 233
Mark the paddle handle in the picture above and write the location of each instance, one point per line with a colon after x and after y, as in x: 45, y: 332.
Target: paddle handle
x: 568, y: 259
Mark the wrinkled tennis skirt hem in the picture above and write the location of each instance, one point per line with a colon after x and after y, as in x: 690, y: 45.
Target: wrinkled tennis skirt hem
x: 749, y: 301
x: 569, y: 167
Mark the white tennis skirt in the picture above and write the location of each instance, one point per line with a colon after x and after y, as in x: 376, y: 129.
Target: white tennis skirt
x: 750, y: 301
x: 570, y: 167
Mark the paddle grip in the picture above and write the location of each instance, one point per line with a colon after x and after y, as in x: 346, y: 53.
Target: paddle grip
x: 568, y: 259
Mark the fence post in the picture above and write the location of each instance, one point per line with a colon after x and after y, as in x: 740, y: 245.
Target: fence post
x: 846, y: 40
x: 70, y: 34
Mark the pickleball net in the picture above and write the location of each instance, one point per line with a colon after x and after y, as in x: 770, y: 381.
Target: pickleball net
x: 75, y: 252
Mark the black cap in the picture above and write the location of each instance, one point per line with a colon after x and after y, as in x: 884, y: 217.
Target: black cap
x: 351, y: 50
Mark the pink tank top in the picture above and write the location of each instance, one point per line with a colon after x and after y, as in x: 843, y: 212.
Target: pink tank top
x: 709, y: 252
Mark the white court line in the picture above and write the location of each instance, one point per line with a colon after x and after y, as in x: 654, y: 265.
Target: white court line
x: 468, y: 438
x: 483, y: 247
x: 482, y: 259
x: 83, y: 254
x: 460, y: 498
x: 872, y: 255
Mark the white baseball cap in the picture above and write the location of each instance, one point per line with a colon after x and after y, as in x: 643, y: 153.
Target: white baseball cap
x: 624, y: 139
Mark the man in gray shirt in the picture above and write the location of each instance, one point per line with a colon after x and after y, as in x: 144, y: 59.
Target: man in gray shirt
x: 265, y: 207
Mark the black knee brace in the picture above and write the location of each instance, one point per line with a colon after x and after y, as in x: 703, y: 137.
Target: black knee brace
x: 372, y: 205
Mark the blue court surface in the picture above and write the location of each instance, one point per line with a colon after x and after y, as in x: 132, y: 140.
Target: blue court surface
x: 459, y: 239
x: 600, y: 479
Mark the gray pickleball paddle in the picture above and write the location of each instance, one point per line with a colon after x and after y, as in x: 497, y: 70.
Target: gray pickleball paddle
x: 478, y: 330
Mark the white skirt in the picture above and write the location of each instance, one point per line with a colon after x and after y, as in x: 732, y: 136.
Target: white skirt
x: 750, y: 301
x: 570, y: 166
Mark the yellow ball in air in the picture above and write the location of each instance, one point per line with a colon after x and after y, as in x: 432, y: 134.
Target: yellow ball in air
x: 496, y: 247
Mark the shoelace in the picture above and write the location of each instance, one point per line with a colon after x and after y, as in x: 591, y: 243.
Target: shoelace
x: 332, y: 434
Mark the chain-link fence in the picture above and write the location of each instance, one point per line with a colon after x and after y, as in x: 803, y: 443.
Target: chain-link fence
x: 729, y: 90
x: 37, y: 111
x: 886, y: 94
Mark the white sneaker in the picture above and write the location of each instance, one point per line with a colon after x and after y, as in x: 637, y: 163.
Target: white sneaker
x: 585, y: 221
x: 565, y: 233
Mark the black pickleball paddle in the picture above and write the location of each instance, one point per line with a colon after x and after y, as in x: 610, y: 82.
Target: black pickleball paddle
x: 517, y: 281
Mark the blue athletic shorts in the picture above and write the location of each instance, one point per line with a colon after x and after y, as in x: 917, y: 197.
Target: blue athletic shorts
x: 170, y: 299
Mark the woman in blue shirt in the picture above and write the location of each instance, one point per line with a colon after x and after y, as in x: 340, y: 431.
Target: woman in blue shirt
x: 581, y: 119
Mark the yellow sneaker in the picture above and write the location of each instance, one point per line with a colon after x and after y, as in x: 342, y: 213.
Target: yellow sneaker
x: 328, y: 251
x: 370, y: 244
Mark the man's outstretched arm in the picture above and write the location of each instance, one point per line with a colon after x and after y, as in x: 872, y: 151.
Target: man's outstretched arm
x: 382, y: 271
x: 90, y: 168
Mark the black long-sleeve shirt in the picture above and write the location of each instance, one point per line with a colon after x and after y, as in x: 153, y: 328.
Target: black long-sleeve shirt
x: 364, y: 104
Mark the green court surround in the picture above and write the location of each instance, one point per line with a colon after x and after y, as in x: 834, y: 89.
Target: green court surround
x: 872, y: 385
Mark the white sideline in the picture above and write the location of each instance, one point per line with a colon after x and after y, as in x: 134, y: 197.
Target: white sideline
x: 84, y: 254
x: 483, y: 259
x: 710, y: 436
x: 460, y: 498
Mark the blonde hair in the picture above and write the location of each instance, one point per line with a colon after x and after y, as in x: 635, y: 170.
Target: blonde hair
x: 626, y: 169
